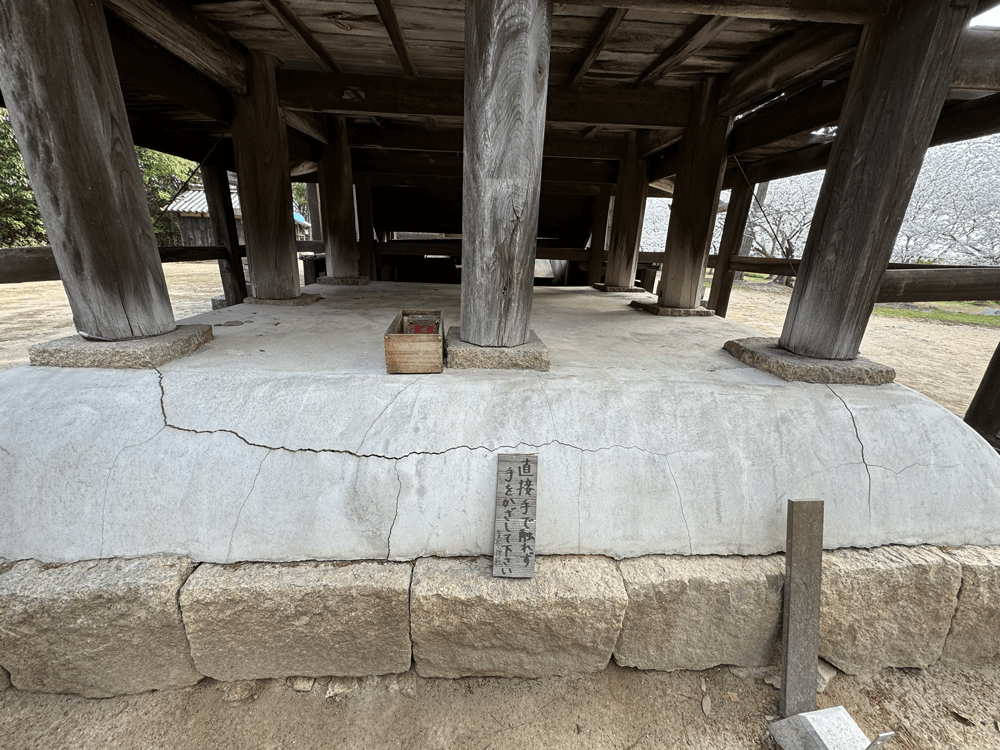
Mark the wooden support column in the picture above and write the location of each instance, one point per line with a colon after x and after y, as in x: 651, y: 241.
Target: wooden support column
x: 220, y: 209
x: 901, y: 76
x: 506, y: 85
x: 740, y: 201
x: 58, y: 76
x: 700, y: 169
x: 599, y: 236
x: 336, y: 187
x: 984, y: 412
x: 312, y: 198
x: 366, y: 227
x: 260, y: 140
x: 630, y: 210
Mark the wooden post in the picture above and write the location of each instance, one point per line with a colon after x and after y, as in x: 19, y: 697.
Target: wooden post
x: 506, y: 83
x: 366, y: 227
x: 599, y: 236
x: 58, y: 77
x: 260, y: 140
x: 336, y: 187
x: 630, y: 210
x: 701, y: 167
x: 312, y: 198
x: 901, y: 76
x: 984, y: 412
x: 220, y: 209
x: 740, y: 200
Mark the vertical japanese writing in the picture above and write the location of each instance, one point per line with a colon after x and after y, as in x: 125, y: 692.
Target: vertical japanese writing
x: 516, y: 506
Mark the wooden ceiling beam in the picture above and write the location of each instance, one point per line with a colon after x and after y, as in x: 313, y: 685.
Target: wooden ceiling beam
x: 386, y: 95
x: 605, y: 28
x: 809, y: 110
x: 180, y: 31
x: 829, y: 11
x: 979, y: 61
x: 387, y: 12
x: 281, y: 11
x: 308, y: 124
x: 694, y: 37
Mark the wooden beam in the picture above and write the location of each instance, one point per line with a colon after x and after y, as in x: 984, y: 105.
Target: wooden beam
x: 830, y: 11
x: 507, y: 72
x: 983, y: 414
x: 979, y: 64
x: 179, y: 30
x: 702, y: 164
x: 336, y: 215
x: 629, y: 211
x: 65, y: 103
x: 930, y: 284
x: 28, y: 264
x: 970, y: 119
x: 599, y: 237
x: 902, y: 74
x: 602, y: 34
x: 315, y: 225
x: 260, y: 139
x: 193, y: 147
x: 740, y: 202
x: 654, y: 141
x: 387, y: 95
x: 220, y: 211
x: 391, y: 22
x: 453, y: 248
x: 307, y: 124
x: 692, y: 39
x: 798, y: 56
x: 294, y: 25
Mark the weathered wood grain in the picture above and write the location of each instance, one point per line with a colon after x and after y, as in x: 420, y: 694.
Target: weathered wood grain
x: 387, y: 12
x: 260, y: 140
x: 178, y: 29
x: 336, y: 215
x: 701, y: 166
x: 979, y: 63
x: 740, y: 201
x: 294, y: 25
x: 315, y: 225
x: 902, y: 74
x: 58, y: 74
x: 696, y: 36
x: 599, y: 237
x: 24, y: 264
x: 413, y: 352
x: 220, y: 209
x: 629, y: 211
x: 842, y: 11
x: 810, y: 110
x: 602, y: 34
x: 506, y: 81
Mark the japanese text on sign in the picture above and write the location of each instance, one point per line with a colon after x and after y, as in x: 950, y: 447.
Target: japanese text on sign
x: 516, y: 505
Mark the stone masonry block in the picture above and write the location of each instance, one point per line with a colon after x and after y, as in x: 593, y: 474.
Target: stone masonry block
x: 886, y: 607
x: 254, y: 620
x: 98, y: 628
x: 975, y: 633
x: 700, y: 612
x: 564, y: 621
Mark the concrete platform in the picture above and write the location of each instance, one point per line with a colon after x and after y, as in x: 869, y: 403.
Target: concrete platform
x: 284, y: 439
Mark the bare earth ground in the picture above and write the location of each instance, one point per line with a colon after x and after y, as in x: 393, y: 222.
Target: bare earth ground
x: 618, y: 709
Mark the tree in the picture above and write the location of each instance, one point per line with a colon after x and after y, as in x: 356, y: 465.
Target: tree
x: 20, y: 222
x: 162, y: 175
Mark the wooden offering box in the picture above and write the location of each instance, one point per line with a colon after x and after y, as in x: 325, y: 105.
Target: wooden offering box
x: 414, y: 342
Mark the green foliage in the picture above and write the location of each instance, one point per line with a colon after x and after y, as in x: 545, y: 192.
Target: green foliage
x: 941, y: 316
x: 20, y: 222
x: 162, y: 175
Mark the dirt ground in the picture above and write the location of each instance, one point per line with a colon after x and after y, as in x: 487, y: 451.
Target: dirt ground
x: 617, y: 709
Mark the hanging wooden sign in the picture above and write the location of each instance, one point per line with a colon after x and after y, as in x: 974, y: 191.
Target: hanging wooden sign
x: 516, y: 506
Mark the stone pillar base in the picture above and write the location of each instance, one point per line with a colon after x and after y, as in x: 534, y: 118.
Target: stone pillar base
x: 342, y: 280
x: 655, y: 308
x: 300, y: 301
x: 533, y: 355
x: 134, y: 354
x: 609, y: 289
x: 765, y: 354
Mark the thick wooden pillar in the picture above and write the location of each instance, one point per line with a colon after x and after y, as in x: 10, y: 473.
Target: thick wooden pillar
x: 260, y: 139
x: 336, y: 188
x: 700, y: 169
x: 220, y: 209
x: 61, y: 88
x: 740, y: 201
x: 312, y: 199
x: 984, y: 412
x: 630, y: 210
x: 366, y: 228
x: 901, y: 75
x: 506, y: 83
x: 599, y: 236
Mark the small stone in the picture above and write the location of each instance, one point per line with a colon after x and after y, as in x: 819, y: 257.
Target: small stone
x: 241, y: 690
x: 734, y: 697
x: 706, y: 705
x: 231, y: 323
x: 339, y: 687
x: 532, y: 355
x: 302, y: 684
x: 765, y: 354
x: 824, y: 673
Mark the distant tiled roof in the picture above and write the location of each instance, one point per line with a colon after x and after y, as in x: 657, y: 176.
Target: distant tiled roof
x: 193, y: 201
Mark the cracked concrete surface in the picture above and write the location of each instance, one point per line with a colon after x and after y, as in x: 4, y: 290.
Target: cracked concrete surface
x: 308, y: 450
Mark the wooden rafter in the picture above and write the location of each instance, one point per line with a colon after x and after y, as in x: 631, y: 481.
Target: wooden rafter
x: 831, y: 11
x: 609, y: 22
x: 694, y: 37
x: 395, y: 31
x: 280, y: 10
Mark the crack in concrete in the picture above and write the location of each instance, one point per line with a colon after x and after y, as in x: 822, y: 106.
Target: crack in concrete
x: 386, y: 408
x: 552, y: 416
x: 107, y: 482
x: 680, y: 501
x: 858, y: 436
x: 388, y: 540
x: 232, y: 534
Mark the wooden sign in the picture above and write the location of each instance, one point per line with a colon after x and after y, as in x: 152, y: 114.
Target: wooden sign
x: 514, y: 527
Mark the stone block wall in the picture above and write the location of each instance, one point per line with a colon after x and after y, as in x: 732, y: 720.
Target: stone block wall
x: 115, y: 627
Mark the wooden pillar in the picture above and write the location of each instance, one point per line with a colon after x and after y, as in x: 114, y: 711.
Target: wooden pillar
x: 700, y: 169
x: 599, y: 236
x: 312, y: 199
x: 336, y: 188
x: 366, y: 227
x: 630, y: 210
x: 260, y: 140
x: 984, y: 412
x: 901, y: 75
x: 61, y: 88
x: 506, y: 82
x: 740, y: 201
x: 220, y: 209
